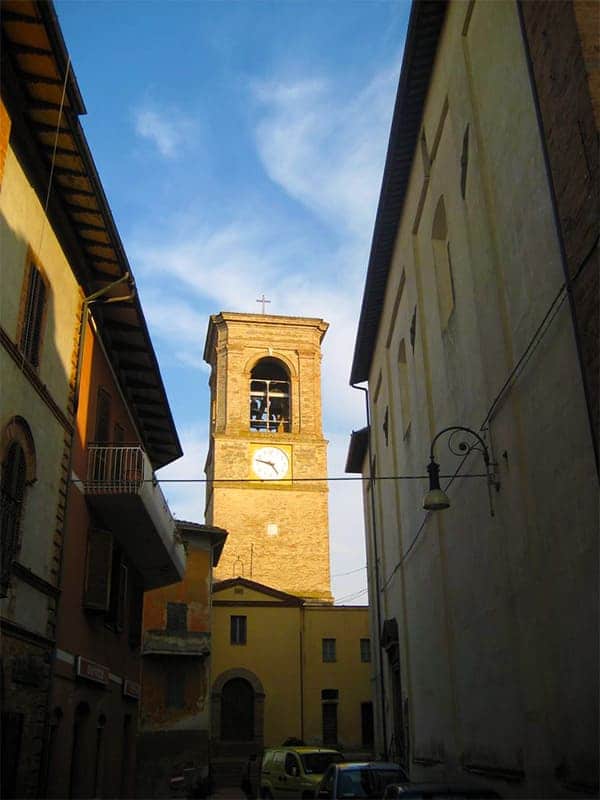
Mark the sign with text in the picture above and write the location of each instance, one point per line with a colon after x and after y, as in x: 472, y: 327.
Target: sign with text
x: 92, y: 671
x: 132, y: 689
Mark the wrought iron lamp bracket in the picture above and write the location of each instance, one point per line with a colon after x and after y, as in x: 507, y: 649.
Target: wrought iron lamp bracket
x: 459, y: 446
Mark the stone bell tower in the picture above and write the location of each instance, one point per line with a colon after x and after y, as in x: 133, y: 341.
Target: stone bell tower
x: 267, y: 451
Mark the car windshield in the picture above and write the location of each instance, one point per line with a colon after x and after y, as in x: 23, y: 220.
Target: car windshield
x: 367, y: 782
x: 317, y: 763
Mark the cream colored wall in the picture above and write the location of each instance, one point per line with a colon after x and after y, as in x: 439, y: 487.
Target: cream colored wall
x: 348, y: 674
x: 272, y: 653
x: 23, y: 226
x: 497, y: 634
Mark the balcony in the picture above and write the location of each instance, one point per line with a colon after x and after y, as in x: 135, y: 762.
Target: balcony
x: 123, y: 492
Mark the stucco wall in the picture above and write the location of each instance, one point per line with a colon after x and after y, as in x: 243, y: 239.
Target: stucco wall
x: 497, y: 615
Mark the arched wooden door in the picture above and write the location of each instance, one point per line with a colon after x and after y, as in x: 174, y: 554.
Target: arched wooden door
x: 237, y: 711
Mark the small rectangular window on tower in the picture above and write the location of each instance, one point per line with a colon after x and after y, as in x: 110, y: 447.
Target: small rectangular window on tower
x: 238, y: 630
x: 329, y: 650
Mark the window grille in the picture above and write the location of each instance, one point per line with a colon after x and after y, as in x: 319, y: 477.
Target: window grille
x: 13, y: 492
x: 31, y: 330
x: 270, y: 397
x: 329, y: 650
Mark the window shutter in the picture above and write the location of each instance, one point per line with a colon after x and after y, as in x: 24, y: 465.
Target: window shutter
x: 136, y: 609
x: 31, y: 332
x: 121, y: 597
x: 96, y: 594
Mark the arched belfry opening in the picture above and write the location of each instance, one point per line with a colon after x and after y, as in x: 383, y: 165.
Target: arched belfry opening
x: 270, y: 397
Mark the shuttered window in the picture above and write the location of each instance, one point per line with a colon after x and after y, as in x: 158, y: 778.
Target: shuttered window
x: 118, y: 592
x: 365, y: 650
x: 177, y: 617
x: 329, y: 650
x: 98, y: 570
x: 11, y: 499
x: 136, y: 607
x: 33, y: 316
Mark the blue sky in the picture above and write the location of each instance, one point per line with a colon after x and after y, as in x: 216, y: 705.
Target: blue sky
x: 241, y: 147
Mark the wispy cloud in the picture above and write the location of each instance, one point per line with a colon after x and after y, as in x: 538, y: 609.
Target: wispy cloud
x: 186, y: 497
x: 325, y: 149
x: 168, y: 129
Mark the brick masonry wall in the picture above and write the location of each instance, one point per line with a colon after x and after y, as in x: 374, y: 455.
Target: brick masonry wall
x: 568, y: 94
x: 296, y: 558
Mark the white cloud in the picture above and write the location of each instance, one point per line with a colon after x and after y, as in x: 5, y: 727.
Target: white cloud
x: 325, y: 150
x: 186, y: 498
x: 169, y: 130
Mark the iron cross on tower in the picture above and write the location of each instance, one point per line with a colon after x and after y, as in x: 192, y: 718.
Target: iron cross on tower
x: 263, y: 300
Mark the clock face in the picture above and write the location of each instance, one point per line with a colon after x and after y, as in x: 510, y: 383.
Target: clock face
x: 270, y: 463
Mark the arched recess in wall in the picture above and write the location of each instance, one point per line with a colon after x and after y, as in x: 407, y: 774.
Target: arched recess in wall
x: 270, y: 396
x: 19, y: 470
x: 442, y: 263
x: 256, y: 686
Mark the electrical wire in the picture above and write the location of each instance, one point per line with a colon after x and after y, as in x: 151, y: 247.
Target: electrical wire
x: 532, y: 345
x: 352, y: 571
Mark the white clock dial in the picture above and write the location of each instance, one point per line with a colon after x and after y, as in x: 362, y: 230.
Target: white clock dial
x: 270, y: 463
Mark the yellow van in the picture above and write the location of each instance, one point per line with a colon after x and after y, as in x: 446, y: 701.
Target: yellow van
x: 294, y: 772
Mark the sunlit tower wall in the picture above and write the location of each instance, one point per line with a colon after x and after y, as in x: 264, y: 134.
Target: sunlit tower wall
x: 267, y: 459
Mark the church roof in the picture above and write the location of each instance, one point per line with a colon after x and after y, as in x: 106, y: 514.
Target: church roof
x: 283, y: 597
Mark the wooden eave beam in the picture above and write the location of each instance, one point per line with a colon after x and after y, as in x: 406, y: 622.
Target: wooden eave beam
x: 29, y: 77
x: 16, y: 16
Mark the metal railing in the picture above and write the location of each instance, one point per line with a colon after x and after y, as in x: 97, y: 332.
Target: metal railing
x: 115, y: 469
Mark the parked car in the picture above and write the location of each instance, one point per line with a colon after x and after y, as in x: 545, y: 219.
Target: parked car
x: 359, y: 779
x: 436, y: 791
x: 294, y: 772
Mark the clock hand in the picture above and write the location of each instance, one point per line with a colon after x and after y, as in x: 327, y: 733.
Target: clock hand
x: 270, y: 463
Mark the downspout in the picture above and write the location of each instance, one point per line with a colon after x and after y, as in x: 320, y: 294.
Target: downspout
x: 87, y: 301
x: 376, y: 553
x: 302, y: 672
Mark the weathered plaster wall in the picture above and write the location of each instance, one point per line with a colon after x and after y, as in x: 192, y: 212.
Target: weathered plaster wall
x: 497, y: 616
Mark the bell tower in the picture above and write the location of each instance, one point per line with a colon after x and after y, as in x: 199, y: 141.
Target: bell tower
x: 267, y: 451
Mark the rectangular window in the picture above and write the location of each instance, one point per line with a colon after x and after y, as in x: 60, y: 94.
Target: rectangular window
x: 33, y: 316
x: 329, y: 650
x: 330, y: 732
x: 365, y: 650
x: 98, y: 570
x: 330, y: 694
x: 177, y: 617
x: 117, y: 608
x: 175, y: 689
x: 366, y: 724
x: 238, y: 630
x: 404, y: 389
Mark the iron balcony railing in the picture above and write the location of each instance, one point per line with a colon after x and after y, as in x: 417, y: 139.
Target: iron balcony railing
x: 116, y: 469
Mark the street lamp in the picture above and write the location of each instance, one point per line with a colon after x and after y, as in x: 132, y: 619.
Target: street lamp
x: 436, y: 498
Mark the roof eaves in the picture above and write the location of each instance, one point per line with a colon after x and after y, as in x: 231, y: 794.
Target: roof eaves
x: 424, y: 28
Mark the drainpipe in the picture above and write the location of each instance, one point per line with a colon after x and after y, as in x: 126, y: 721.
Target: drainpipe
x: 92, y: 298
x: 375, y: 551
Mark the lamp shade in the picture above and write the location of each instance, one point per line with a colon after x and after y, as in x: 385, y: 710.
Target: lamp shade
x: 436, y: 500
